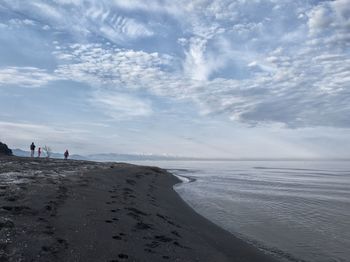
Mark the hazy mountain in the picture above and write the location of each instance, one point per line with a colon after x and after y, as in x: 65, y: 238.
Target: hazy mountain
x: 131, y: 157
x: 20, y: 152
x: 104, y: 157
x: 23, y: 153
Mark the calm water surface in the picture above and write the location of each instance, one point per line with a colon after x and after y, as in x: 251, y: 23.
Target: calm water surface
x: 296, y: 210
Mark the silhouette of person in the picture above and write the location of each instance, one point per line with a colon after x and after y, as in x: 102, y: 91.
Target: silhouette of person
x: 66, y: 154
x: 32, y: 149
x: 39, y: 151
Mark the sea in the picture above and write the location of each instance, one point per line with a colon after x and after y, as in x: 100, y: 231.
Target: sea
x: 293, y: 210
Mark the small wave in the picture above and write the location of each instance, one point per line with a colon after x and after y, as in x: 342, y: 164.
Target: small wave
x: 185, y: 179
x: 323, y: 171
x: 286, y: 168
x: 180, y: 169
x: 280, y: 255
x: 182, y: 174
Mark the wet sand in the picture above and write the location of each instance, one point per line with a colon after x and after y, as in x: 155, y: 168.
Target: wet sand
x: 56, y: 210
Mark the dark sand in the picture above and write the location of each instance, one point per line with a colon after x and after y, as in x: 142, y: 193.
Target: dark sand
x: 84, y: 211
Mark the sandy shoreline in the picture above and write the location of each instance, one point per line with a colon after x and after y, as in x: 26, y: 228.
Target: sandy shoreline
x: 85, y: 211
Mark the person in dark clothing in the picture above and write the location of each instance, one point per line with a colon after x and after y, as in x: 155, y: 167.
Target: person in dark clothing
x: 66, y: 154
x: 32, y: 149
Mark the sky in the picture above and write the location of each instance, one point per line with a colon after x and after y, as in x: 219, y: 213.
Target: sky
x: 200, y: 78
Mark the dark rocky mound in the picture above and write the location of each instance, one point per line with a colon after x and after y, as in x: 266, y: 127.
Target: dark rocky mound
x: 4, y: 150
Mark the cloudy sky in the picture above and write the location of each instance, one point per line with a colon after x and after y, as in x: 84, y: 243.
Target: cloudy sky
x: 206, y: 78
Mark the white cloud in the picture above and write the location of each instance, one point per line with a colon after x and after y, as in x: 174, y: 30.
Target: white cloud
x: 124, y: 27
x: 80, y: 19
x: 46, y: 10
x: 25, y: 76
x: 255, y: 69
x: 69, y: 2
x: 46, y: 27
x: 94, y: 63
x: 330, y: 20
x: 19, y: 22
x: 170, y: 7
x: 319, y: 19
x: 121, y: 106
x: 195, y: 65
x: 291, y: 89
x: 342, y: 9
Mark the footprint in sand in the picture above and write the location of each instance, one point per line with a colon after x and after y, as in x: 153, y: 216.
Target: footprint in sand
x: 143, y: 226
x: 179, y: 245
x: 131, y: 182
x: 48, y: 232
x: 11, y: 198
x: 128, y: 193
x: 126, y: 189
x: 62, y: 242
x: 166, y: 219
x: 18, y: 209
x: 6, y: 223
x: 45, y: 248
x: 174, y: 232
x: 149, y: 250
x: 134, y: 216
x: 48, y: 207
x: 136, y: 211
x: 123, y: 256
x: 153, y: 244
x: 163, y: 238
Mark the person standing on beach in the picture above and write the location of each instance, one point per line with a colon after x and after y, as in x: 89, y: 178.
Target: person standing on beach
x: 32, y: 149
x: 66, y: 154
x: 39, y: 151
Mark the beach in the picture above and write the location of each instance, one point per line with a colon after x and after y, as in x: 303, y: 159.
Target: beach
x: 56, y: 210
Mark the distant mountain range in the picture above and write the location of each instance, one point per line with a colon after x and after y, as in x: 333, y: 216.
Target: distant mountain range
x: 107, y: 156
x: 114, y: 157
x: 23, y: 153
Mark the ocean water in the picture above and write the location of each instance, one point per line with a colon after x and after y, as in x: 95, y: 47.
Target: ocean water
x: 294, y: 210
